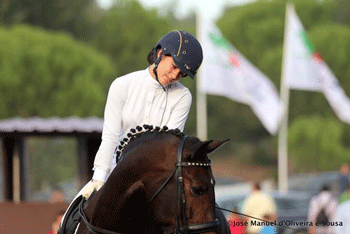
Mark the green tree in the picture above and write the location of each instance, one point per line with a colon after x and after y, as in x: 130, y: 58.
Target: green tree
x: 74, y: 16
x: 50, y: 74
x: 315, y: 144
x: 340, y: 10
x: 128, y: 32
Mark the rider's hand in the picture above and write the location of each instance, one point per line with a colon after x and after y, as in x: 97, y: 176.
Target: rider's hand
x: 91, y: 187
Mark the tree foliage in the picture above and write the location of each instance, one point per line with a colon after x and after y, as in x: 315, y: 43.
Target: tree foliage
x: 316, y: 144
x: 73, y: 16
x: 127, y: 32
x: 50, y: 74
x: 340, y: 11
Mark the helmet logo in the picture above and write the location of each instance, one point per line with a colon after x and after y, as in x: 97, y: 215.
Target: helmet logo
x: 187, y: 67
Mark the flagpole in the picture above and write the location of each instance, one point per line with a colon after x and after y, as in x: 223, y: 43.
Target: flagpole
x: 283, y: 130
x: 202, y: 132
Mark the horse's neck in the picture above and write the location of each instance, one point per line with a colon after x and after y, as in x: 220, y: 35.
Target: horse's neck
x: 124, y: 194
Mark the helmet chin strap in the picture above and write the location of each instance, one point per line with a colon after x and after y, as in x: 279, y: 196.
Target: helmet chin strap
x: 156, y: 62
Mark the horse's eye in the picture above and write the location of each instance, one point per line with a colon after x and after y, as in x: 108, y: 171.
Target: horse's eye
x: 200, y: 190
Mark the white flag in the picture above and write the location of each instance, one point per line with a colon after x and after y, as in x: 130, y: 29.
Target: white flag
x: 306, y: 70
x: 226, y: 72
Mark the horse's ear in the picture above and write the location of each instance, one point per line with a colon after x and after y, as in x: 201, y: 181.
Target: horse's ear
x: 207, y: 147
x: 213, y: 145
x: 199, y: 150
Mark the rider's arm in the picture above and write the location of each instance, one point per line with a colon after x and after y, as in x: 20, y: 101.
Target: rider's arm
x: 111, y: 131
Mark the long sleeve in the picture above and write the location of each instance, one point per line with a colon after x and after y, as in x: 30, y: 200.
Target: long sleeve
x: 111, y: 130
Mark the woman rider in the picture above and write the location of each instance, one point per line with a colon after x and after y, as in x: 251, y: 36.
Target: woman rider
x: 152, y: 96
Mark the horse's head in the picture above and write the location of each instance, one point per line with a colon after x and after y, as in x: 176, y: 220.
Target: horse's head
x: 185, y: 197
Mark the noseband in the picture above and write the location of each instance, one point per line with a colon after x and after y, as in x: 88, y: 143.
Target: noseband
x: 180, y: 212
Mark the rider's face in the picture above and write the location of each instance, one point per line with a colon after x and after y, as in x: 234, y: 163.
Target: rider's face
x: 167, y: 70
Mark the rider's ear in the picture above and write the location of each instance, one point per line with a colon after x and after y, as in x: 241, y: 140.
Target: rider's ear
x: 159, y: 53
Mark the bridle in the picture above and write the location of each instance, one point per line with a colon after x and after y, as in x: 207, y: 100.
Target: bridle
x: 180, y: 201
x: 180, y: 212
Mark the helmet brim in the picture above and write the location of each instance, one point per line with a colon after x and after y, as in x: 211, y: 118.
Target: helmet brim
x: 183, y: 68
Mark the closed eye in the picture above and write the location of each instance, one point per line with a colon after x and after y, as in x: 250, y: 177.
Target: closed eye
x: 181, y: 73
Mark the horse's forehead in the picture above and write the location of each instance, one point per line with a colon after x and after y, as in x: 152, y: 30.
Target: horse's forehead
x: 192, y: 146
x: 192, y: 143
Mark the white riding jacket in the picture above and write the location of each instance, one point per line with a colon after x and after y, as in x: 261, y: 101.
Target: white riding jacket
x: 133, y: 100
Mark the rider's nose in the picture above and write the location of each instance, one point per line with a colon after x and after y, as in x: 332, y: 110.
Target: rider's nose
x: 177, y: 74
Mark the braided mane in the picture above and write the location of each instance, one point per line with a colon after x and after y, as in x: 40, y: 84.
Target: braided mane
x: 138, y: 131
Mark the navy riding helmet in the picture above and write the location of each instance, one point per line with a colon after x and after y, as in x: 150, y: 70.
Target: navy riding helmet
x: 184, y: 48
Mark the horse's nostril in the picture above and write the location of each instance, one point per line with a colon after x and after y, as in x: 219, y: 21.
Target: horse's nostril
x: 200, y: 190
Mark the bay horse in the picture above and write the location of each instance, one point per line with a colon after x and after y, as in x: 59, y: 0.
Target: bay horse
x: 162, y: 183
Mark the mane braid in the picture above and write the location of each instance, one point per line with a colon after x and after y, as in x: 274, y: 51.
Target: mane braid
x: 138, y: 131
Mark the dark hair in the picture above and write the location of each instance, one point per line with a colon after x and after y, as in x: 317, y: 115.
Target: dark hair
x: 58, y: 214
x: 150, y: 58
x: 257, y: 186
x: 57, y: 188
x: 61, y: 212
x: 325, y: 187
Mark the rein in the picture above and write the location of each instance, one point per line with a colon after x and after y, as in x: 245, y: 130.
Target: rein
x: 93, y: 229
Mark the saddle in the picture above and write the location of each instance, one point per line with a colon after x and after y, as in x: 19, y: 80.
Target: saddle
x: 72, y: 217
